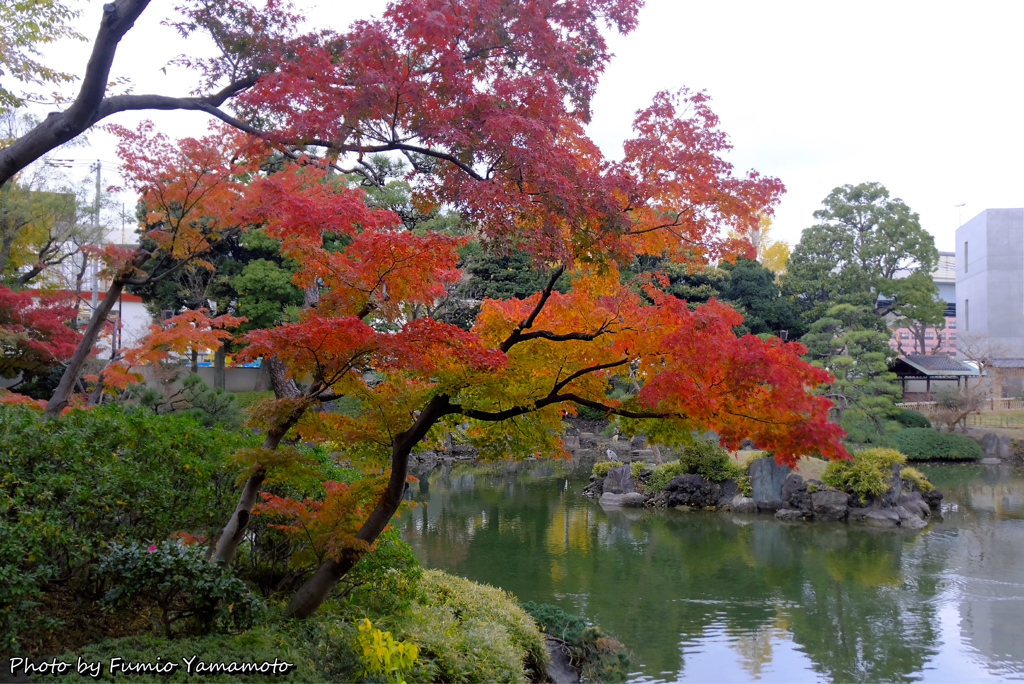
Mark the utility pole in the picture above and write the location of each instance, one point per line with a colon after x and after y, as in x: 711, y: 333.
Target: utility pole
x: 96, y: 227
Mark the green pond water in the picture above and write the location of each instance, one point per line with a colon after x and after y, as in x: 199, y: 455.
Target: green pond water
x: 716, y: 597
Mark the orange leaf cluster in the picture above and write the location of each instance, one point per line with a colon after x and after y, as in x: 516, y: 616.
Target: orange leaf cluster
x: 327, y: 528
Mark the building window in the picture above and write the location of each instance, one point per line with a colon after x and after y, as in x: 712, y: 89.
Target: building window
x: 929, y: 336
x: 951, y: 325
x: 965, y: 256
x: 967, y: 315
x: 952, y: 337
x: 904, y: 336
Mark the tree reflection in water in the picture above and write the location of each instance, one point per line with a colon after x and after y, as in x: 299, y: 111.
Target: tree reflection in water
x: 695, y: 594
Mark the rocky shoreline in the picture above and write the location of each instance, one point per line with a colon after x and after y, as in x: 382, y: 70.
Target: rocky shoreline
x: 773, y: 488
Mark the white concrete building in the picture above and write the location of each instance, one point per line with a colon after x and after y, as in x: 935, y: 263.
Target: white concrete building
x: 990, y: 292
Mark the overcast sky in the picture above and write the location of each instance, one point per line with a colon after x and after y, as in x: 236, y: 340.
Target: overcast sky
x: 923, y: 97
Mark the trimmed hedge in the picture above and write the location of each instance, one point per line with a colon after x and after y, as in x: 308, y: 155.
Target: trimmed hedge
x: 925, y: 444
x: 910, y: 418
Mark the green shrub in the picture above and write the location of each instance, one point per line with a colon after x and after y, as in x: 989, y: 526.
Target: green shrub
x: 869, y: 474
x: 74, y: 485
x: 386, y: 580
x: 295, y: 643
x: 181, y: 583
x: 468, y: 632
x: 703, y: 457
x: 637, y: 468
x: 587, y: 413
x: 662, y: 475
x: 601, y: 468
x: 600, y: 657
x: 910, y: 418
x: 916, y: 479
x: 923, y: 444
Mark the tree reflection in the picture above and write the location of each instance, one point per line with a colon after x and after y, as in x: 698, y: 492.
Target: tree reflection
x: 856, y: 602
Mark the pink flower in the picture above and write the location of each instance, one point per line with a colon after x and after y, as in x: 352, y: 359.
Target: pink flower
x: 151, y: 548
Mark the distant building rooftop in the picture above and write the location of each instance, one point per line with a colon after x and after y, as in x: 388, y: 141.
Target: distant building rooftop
x: 933, y: 365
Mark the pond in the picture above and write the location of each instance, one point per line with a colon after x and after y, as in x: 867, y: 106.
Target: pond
x: 716, y: 597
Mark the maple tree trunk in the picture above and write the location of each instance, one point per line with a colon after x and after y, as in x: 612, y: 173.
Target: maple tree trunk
x: 233, y: 532
x: 220, y: 375
x: 195, y: 361
x: 62, y: 395
x: 311, y: 594
x: 284, y: 387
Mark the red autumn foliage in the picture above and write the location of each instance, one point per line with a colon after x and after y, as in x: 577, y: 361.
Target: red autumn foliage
x: 35, y: 336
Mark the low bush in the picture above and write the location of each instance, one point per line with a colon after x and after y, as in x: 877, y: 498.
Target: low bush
x: 181, y: 583
x: 300, y: 644
x: 910, y: 418
x: 868, y: 475
x: 601, y: 468
x: 923, y: 444
x: 72, y: 486
x: 703, y: 457
x: 468, y: 632
x: 600, y: 657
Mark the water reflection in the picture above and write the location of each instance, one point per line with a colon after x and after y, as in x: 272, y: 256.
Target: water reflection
x: 713, y: 597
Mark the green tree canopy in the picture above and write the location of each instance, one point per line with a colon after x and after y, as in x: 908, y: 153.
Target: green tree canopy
x: 851, y: 342
x: 865, y: 251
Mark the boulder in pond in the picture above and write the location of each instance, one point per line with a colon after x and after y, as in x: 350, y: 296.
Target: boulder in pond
x: 692, y: 490
x: 933, y: 498
x: 828, y: 504
x: 632, y: 500
x: 789, y: 514
x: 882, y: 517
x: 766, y: 479
x: 743, y: 504
x: 990, y: 444
x: 891, y: 498
x: 794, y: 493
x: 915, y: 503
x: 909, y: 520
x: 619, y: 480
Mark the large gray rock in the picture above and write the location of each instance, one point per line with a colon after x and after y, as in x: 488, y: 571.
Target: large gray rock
x: 588, y: 440
x: 727, y: 491
x: 638, y: 442
x: 992, y: 460
x: 909, y: 520
x: 743, y: 504
x: 571, y: 441
x: 766, y: 480
x: 794, y: 493
x: 882, y: 517
x: 829, y: 504
x: 789, y: 514
x: 990, y: 444
x: 1005, y: 449
x: 692, y: 490
x: 933, y: 498
x: 645, y: 455
x: 619, y: 481
x: 632, y: 500
x: 891, y: 498
x: 608, y: 499
x: 916, y: 504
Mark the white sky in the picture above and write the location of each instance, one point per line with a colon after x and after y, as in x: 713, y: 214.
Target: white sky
x: 923, y: 97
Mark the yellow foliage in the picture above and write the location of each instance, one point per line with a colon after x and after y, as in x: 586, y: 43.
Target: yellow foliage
x: 382, y: 654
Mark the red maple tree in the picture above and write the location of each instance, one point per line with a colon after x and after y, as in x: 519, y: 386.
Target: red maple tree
x: 487, y: 100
